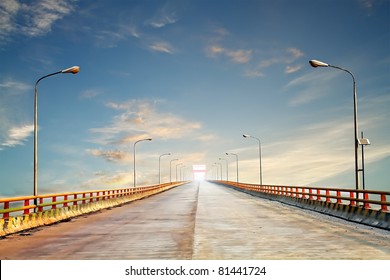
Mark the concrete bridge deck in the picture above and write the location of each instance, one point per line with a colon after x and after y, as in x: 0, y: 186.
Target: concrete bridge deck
x: 200, y: 221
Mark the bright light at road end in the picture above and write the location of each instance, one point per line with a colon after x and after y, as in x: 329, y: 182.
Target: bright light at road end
x: 199, y: 171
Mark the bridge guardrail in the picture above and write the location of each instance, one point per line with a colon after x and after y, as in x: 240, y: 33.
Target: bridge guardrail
x: 365, y: 206
x: 20, y: 213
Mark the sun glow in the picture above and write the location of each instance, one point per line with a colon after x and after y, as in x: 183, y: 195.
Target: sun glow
x: 199, y: 171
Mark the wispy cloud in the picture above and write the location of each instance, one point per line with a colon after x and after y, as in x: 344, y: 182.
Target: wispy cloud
x: 14, y: 85
x: 165, y: 16
x: 33, y: 19
x: 111, y: 155
x: 256, y: 59
x: 296, y: 53
x: 254, y: 73
x: 140, y: 118
x: 162, y: 20
x: 17, y: 135
x: 8, y: 10
x: 239, y: 56
x: 292, y: 69
x: 284, y: 56
x: 311, y: 86
x: 163, y: 47
x: 90, y: 94
x: 110, y: 38
x: 104, y: 178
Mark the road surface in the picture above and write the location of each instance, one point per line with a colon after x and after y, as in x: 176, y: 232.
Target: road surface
x: 200, y: 220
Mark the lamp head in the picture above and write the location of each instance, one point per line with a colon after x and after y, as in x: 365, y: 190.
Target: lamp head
x: 73, y: 70
x: 317, y: 63
x: 245, y: 135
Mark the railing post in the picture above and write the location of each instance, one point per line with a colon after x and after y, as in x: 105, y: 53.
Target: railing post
x: 40, y: 208
x: 310, y: 194
x: 26, y: 203
x: 366, y: 203
x: 303, y: 193
x: 318, y: 195
x: 53, y: 200
x: 327, y: 196
x: 6, y: 206
x: 338, y: 194
x: 66, y: 200
x: 75, y: 198
x: 383, y: 200
x: 91, y: 197
x: 352, y: 197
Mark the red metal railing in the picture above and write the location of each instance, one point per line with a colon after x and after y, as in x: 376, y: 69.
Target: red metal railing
x: 25, y: 205
x: 368, y: 199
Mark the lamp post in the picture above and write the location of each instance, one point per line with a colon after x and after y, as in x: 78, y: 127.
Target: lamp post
x: 176, y: 169
x: 181, y: 177
x: 217, y: 173
x: 146, y: 139
x: 260, y: 165
x: 363, y: 142
x: 72, y: 70
x: 170, y: 169
x: 220, y: 165
x: 236, y: 162
x: 159, y: 166
x: 316, y: 63
x: 227, y: 168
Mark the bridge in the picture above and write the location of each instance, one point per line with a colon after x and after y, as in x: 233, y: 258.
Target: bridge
x: 198, y: 220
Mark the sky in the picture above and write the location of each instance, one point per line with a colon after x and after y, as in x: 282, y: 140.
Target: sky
x: 194, y: 76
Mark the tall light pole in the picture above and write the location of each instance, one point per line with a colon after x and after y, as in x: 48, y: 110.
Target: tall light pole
x: 236, y: 162
x: 146, y: 139
x: 176, y: 169
x: 159, y: 166
x: 170, y: 169
x: 72, y: 70
x: 227, y: 168
x: 316, y: 63
x: 181, y: 177
x: 217, y: 163
x: 260, y: 165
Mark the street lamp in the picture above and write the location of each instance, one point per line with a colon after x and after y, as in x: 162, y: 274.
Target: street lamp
x: 227, y: 168
x: 216, y: 172
x: 217, y: 163
x: 236, y: 162
x: 181, y: 176
x: 260, y: 165
x: 363, y: 142
x: 146, y: 139
x: 170, y: 169
x: 72, y: 70
x: 316, y: 63
x: 176, y: 169
x: 159, y: 166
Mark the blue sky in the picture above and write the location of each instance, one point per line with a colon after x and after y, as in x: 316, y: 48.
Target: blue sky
x: 194, y: 76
